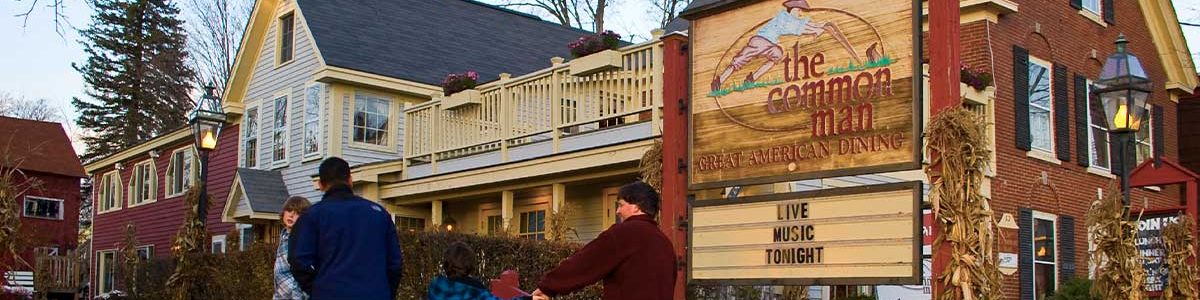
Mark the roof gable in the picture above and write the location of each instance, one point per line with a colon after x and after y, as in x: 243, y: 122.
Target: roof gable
x: 422, y: 41
x: 1163, y: 25
x: 38, y: 146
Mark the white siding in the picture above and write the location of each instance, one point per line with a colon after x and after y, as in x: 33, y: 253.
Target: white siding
x: 289, y: 79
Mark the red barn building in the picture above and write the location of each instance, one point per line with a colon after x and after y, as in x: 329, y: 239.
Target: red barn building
x: 144, y: 186
x: 49, y: 172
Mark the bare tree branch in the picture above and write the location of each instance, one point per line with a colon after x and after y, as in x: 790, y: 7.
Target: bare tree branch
x: 583, y: 14
x: 667, y: 10
x: 19, y: 107
x: 59, y: 16
x: 216, y: 32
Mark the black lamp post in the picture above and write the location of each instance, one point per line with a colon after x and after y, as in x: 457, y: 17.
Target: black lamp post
x: 206, y: 121
x: 1123, y: 88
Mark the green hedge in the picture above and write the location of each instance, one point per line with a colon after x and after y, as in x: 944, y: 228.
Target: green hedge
x: 249, y: 274
x: 531, y: 259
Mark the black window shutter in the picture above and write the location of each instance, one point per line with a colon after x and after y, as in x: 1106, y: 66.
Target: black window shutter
x: 1157, y: 135
x: 1083, y: 151
x: 1025, y: 252
x: 1021, y: 97
x: 1109, y: 12
x: 1066, y: 249
x: 1062, y: 114
x: 1114, y: 152
x: 1077, y: 4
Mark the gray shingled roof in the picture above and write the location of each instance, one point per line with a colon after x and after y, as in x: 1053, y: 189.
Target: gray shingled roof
x: 424, y: 40
x: 264, y: 190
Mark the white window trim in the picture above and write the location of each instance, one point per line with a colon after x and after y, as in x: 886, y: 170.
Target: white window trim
x: 1050, y: 80
x: 170, y: 178
x: 279, y: 37
x: 287, y: 129
x: 485, y: 213
x: 100, y: 267
x: 320, y: 123
x: 1092, y: 167
x: 221, y: 239
x: 242, y: 245
x: 149, y: 250
x: 1094, y: 16
x: 423, y: 225
x: 393, y: 108
x: 153, y: 184
x: 1037, y: 215
x: 242, y: 155
x: 1149, y: 136
x: 61, y: 209
x: 104, y: 183
x: 533, y: 208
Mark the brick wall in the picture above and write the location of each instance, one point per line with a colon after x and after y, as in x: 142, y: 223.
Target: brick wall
x: 1056, y: 32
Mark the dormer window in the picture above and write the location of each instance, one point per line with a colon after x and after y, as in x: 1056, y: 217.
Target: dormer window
x: 287, y: 26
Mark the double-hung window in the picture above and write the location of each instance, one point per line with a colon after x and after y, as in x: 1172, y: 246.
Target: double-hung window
x: 495, y: 224
x: 1098, y: 131
x: 1144, y: 138
x: 1041, y: 103
x: 143, y: 183
x: 312, y: 121
x: 145, y: 252
x: 1045, y: 262
x: 181, y: 171
x: 107, y: 270
x: 110, y: 191
x: 1092, y: 6
x: 251, y: 138
x: 43, y: 208
x: 371, y: 119
x: 287, y: 28
x: 409, y: 224
x: 533, y: 225
x: 279, y: 132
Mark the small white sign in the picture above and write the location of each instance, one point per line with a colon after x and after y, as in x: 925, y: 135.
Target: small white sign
x: 1007, y: 221
x: 1008, y: 263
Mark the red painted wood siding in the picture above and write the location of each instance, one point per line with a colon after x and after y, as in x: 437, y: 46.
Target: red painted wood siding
x: 158, y: 222
x: 64, y: 233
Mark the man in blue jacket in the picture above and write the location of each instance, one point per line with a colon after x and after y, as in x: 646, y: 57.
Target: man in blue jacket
x: 345, y: 247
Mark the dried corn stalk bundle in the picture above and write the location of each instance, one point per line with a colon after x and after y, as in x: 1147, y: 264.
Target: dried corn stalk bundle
x: 189, y: 241
x: 795, y: 292
x: 129, y: 253
x: 1119, y: 270
x: 960, y: 138
x: 652, y: 164
x: 1179, y: 242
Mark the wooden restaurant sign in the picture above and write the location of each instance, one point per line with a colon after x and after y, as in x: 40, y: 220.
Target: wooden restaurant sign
x: 857, y: 235
x: 794, y: 89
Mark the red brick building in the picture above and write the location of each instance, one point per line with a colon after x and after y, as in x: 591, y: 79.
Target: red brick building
x: 1053, y: 158
x: 49, y: 172
x: 144, y: 186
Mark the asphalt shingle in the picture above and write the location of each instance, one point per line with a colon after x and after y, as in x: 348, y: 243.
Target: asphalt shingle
x: 264, y: 190
x: 424, y: 40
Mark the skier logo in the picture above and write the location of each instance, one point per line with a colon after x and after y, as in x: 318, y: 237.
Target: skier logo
x: 796, y: 20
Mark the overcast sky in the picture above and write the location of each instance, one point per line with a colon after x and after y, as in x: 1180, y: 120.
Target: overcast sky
x: 36, y: 62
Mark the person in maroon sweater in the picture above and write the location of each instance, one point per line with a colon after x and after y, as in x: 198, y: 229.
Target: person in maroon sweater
x: 634, y: 258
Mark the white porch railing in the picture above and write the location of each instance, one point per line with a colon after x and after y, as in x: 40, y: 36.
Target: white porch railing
x: 545, y: 105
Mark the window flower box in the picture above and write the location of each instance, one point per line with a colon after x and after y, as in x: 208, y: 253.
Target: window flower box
x: 596, y: 63
x: 595, y: 53
x: 461, y: 99
x: 971, y: 95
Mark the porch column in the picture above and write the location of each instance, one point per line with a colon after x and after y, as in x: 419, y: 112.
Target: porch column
x: 506, y: 208
x: 436, y: 214
x: 558, y: 198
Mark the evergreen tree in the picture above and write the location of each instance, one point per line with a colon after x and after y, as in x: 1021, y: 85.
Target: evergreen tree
x: 137, y: 74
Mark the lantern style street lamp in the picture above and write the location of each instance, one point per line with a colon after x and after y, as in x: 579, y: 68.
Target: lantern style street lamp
x: 206, y: 121
x: 1123, y: 88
